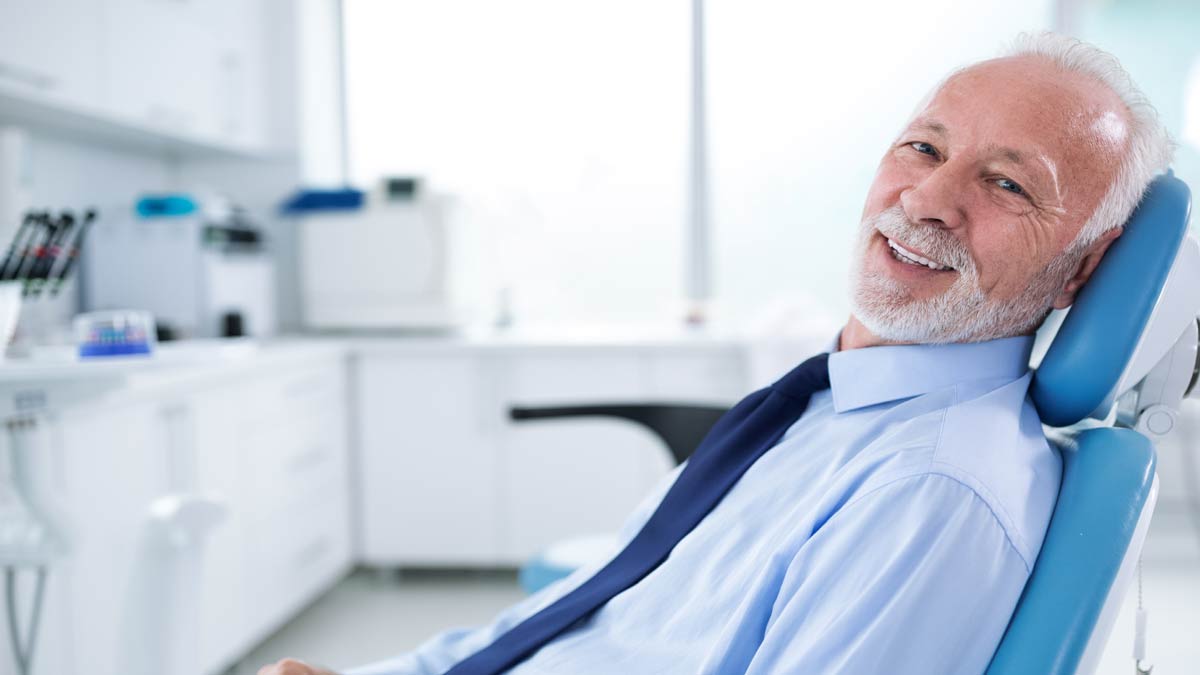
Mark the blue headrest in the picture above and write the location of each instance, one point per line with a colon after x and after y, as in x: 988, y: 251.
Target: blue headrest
x: 1097, y: 338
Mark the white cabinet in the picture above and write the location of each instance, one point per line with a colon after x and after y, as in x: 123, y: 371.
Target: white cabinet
x: 235, y: 34
x: 219, y: 475
x: 447, y: 478
x: 186, y: 75
x: 113, y: 579
x: 188, y: 68
x: 267, y: 448
x: 427, y: 487
x: 293, y: 492
x: 51, y: 49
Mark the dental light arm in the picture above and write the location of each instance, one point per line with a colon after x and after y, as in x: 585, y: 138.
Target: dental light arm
x: 1162, y: 371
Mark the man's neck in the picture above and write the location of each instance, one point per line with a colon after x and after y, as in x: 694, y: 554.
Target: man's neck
x: 855, y: 336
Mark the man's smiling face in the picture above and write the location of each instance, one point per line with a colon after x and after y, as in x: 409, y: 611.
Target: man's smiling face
x: 975, y: 202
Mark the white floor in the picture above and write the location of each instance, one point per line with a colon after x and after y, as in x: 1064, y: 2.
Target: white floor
x: 1171, y: 596
x: 371, y: 616
x: 374, y: 615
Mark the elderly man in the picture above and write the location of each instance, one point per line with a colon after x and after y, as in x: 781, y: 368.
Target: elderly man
x: 887, y: 523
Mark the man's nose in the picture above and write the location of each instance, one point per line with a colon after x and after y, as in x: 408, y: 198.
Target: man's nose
x: 936, y: 199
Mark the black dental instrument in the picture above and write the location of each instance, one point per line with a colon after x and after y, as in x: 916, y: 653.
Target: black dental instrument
x: 69, y: 255
x: 25, y: 247
x: 41, y: 255
x: 14, y: 248
x: 33, y: 247
x: 39, y: 276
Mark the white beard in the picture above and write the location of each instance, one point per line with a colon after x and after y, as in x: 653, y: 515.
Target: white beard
x: 963, y: 312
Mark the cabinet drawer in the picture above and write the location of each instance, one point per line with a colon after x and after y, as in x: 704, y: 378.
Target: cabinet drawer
x: 428, y: 469
x: 292, y: 398
x: 292, y: 464
x: 298, y: 554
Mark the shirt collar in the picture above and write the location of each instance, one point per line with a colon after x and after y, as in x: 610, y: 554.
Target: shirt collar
x: 871, y: 375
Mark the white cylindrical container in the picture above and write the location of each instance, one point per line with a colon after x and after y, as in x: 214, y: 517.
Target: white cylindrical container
x: 10, y: 311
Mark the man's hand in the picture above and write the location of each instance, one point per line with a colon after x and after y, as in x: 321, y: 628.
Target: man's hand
x: 293, y: 667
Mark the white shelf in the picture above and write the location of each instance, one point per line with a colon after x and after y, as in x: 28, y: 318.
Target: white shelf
x: 67, y: 119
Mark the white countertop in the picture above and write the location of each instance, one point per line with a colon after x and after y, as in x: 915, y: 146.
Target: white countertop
x: 192, y: 360
x: 551, y: 336
x: 52, y: 365
x: 56, y: 376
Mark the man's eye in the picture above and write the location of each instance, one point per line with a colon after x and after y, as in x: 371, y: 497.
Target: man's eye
x: 924, y: 148
x: 1011, y: 186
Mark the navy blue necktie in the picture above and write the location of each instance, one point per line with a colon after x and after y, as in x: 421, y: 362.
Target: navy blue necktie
x: 735, y: 442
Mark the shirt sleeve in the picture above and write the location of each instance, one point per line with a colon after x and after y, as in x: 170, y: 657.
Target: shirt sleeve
x: 917, y: 576
x: 444, y: 650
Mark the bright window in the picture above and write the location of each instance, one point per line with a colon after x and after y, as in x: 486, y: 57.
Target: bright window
x: 561, y: 128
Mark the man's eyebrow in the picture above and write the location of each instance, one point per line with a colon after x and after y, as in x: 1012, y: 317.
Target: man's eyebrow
x: 1014, y: 156
x: 932, y: 126
x: 1036, y: 171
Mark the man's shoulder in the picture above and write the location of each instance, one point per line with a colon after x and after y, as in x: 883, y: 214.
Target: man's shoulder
x: 994, y: 444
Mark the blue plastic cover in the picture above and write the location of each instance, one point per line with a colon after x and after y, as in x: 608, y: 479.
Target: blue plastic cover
x: 90, y: 351
x: 309, y: 201
x: 159, y: 206
x: 1098, y: 336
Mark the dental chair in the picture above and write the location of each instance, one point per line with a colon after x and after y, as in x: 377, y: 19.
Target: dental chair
x: 1110, y: 384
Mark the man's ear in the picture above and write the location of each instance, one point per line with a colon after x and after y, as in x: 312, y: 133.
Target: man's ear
x: 1086, y: 266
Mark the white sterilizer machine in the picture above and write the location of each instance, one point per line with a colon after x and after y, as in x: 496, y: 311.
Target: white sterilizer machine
x: 386, y: 264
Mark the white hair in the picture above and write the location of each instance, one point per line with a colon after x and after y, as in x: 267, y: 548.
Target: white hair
x: 1149, y: 148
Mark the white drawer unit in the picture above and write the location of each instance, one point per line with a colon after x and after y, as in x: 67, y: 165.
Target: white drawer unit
x: 447, y: 478
x: 438, y: 475
x: 428, y: 462
x: 268, y: 448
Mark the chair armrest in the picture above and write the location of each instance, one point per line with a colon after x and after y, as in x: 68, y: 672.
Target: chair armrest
x: 680, y: 426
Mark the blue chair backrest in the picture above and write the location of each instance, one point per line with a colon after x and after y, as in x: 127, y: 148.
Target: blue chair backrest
x: 1108, y: 473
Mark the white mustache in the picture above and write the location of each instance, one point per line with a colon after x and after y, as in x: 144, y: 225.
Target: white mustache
x: 934, y: 243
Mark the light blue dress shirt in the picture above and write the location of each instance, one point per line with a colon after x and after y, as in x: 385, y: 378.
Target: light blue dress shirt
x: 891, y: 530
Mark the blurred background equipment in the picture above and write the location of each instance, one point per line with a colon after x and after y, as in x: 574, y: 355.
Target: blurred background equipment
x: 191, y: 265
x: 40, y: 258
x: 115, y: 333
x: 387, y: 264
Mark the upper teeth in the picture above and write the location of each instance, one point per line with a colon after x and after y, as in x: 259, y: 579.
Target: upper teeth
x: 915, y: 258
